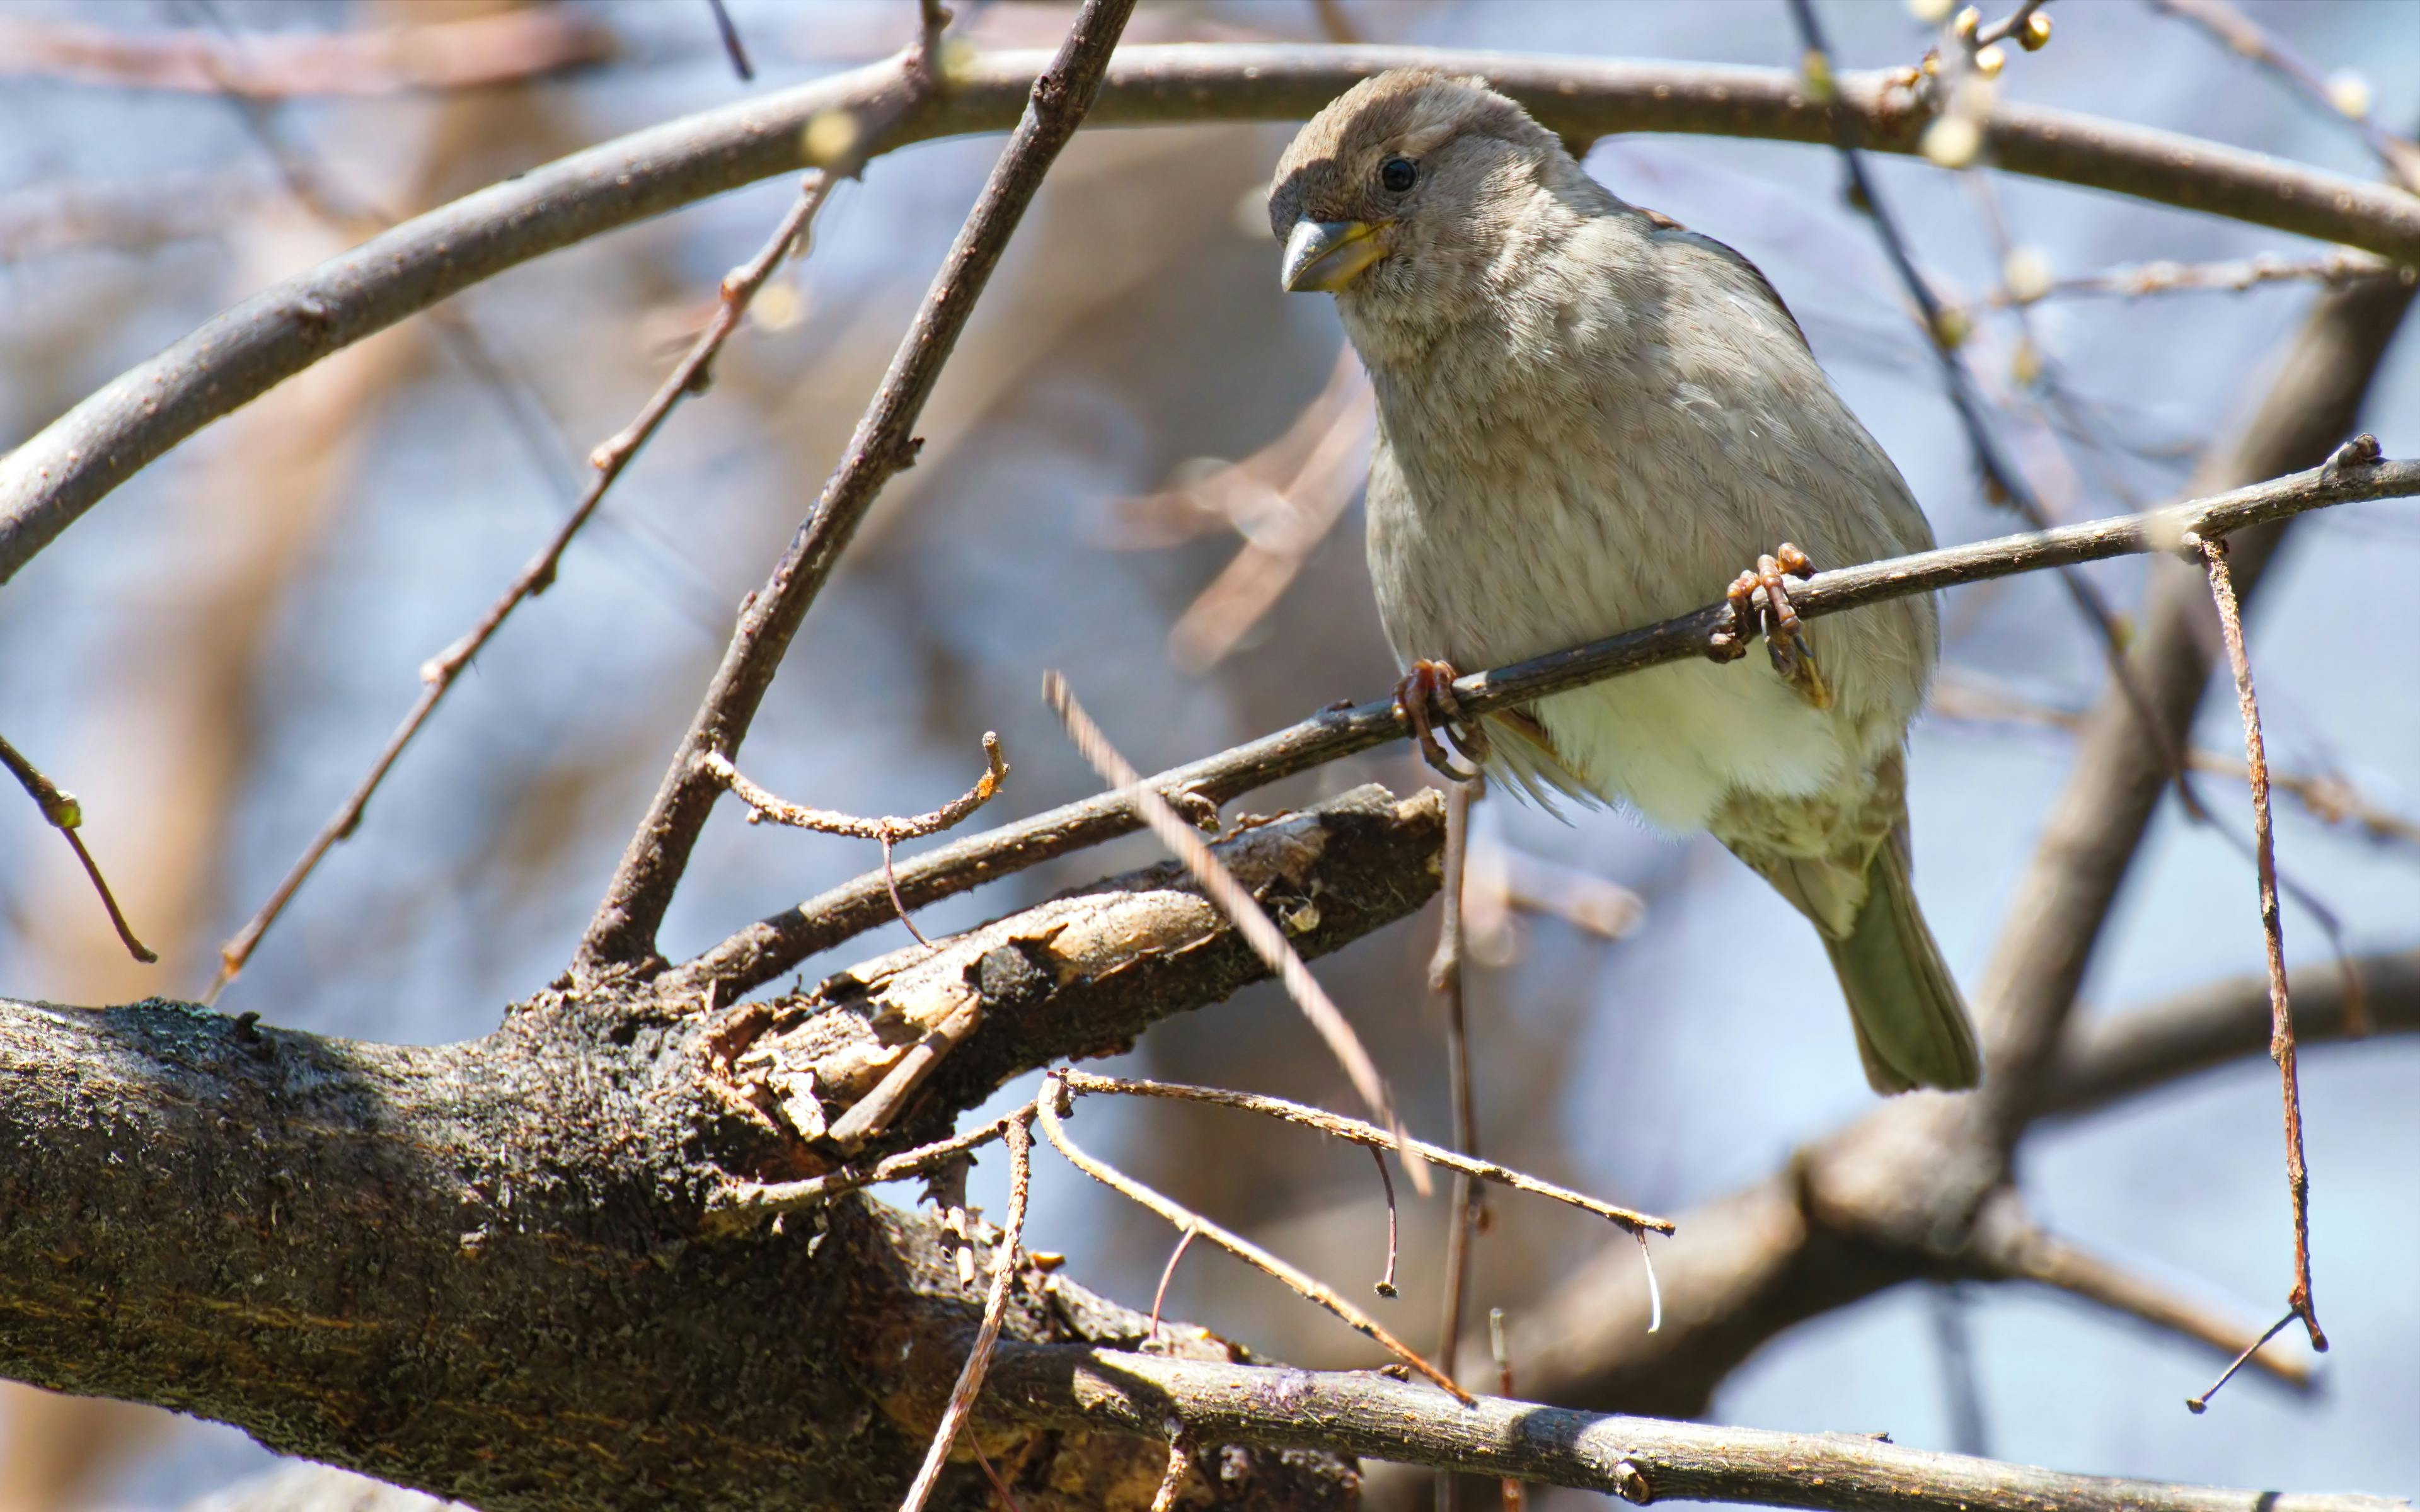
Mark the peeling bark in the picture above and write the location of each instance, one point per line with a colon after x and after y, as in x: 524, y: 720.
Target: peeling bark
x: 481, y: 1270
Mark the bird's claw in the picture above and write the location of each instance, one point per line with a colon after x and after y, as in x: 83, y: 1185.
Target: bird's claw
x: 1759, y: 603
x: 1425, y: 700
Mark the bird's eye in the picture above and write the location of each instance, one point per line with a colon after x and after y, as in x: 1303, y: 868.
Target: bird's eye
x: 1398, y: 174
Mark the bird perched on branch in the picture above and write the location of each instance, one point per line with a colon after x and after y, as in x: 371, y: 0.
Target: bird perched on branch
x: 1591, y: 419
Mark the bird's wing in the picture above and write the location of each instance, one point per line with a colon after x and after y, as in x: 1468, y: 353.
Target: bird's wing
x: 1729, y: 260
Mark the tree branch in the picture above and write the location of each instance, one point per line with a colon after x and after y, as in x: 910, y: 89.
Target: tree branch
x: 2010, y: 1246
x: 485, y: 1269
x: 477, y: 52
x: 62, y: 812
x: 48, y: 482
x: 1639, y: 1459
x: 765, y: 950
x: 1081, y: 974
x: 623, y: 932
x: 2103, y: 1060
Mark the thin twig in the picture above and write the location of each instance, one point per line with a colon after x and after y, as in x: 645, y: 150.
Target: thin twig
x: 439, y: 674
x: 765, y: 950
x: 747, y: 1201
x: 889, y: 829
x: 1168, y: 1274
x: 1352, y: 1130
x: 1003, y: 1276
x: 1046, y: 1107
x: 1007, y: 1497
x: 307, y: 178
x: 2199, y: 1405
x: 1515, y: 1495
x: 2341, y: 266
x: 1446, y: 969
x: 2272, y: 928
x: 2245, y: 36
x: 1953, y: 1338
x: 1386, y: 1283
x: 732, y: 46
x: 1179, y: 1470
x: 62, y: 812
x: 932, y: 18
x: 1242, y: 909
x: 622, y: 932
x: 2007, y: 25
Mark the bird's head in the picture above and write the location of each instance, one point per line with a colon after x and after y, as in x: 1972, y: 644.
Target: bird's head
x: 1406, y: 191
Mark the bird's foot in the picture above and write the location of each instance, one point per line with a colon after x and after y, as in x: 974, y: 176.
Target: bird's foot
x: 1424, y: 700
x: 1760, y: 602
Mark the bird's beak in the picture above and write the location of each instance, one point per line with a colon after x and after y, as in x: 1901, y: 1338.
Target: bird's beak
x: 1322, y: 256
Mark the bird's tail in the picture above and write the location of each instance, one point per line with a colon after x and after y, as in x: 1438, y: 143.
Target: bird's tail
x: 1911, y: 1025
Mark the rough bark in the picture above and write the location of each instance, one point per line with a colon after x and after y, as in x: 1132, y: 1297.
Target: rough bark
x: 482, y: 1270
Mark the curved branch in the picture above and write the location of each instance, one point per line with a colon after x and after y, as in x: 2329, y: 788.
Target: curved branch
x: 50, y: 481
x: 473, y: 53
x: 2104, y: 1060
x: 1636, y: 1458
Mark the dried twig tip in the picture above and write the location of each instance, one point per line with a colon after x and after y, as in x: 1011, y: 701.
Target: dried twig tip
x: 62, y: 812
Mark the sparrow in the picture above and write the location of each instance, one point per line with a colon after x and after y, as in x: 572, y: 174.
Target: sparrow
x: 1591, y: 418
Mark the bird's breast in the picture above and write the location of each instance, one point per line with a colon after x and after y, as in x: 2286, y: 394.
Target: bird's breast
x: 1516, y: 520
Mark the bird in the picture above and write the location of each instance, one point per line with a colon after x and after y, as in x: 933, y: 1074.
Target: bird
x: 1591, y: 418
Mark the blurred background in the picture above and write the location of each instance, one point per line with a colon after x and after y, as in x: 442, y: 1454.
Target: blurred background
x: 212, y: 658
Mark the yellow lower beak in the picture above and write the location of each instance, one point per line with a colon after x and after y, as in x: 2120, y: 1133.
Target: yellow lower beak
x: 1322, y: 256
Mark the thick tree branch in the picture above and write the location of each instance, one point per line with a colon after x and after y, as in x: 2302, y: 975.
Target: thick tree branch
x: 48, y: 482
x: 2103, y: 1060
x: 1081, y: 974
x: 623, y: 932
x: 490, y: 1270
x: 765, y: 950
x: 1639, y: 1459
